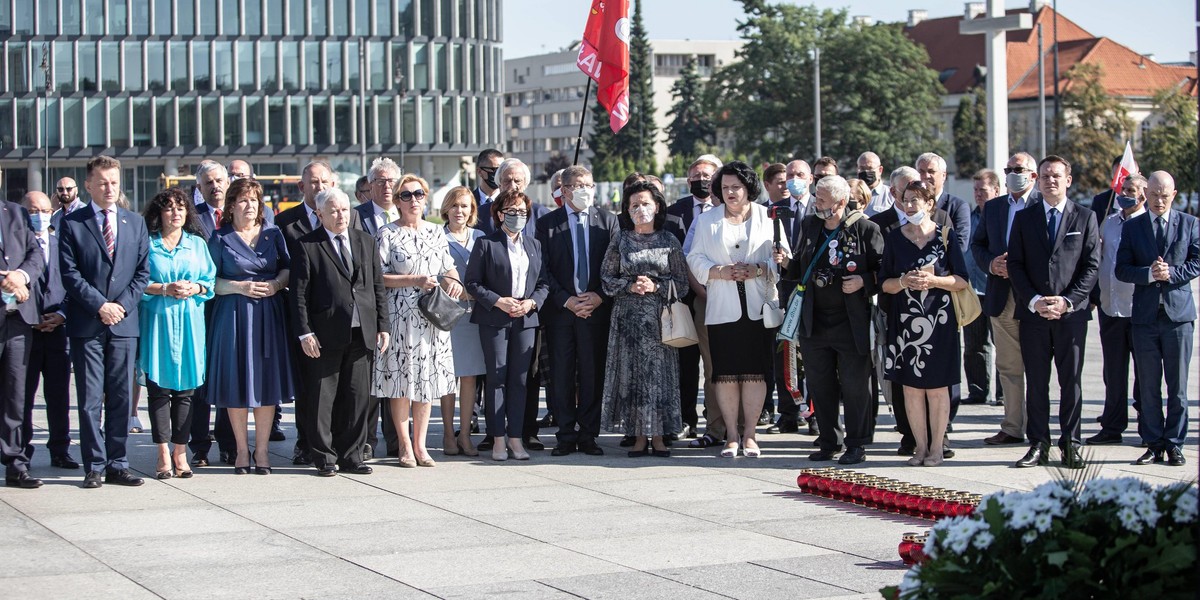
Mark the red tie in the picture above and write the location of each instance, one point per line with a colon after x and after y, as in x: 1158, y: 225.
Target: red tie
x: 110, y: 238
x: 217, y: 217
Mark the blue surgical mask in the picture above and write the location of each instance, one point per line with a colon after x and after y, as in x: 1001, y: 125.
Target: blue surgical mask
x: 40, y: 222
x: 1126, y: 202
x: 515, y: 223
x: 797, y: 187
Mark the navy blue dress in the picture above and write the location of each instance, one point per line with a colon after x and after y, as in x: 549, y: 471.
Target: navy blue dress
x: 248, y: 361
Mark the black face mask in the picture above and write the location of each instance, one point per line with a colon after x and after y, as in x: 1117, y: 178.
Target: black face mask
x: 868, y: 177
x: 701, y: 188
x: 491, y: 177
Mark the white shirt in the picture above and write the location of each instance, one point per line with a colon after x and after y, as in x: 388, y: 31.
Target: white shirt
x: 518, y: 262
x: 313, y: 221
x: 1059, y: 209
x: 1015, y: 205
x: 699, y: 207
x: 1116, y: 295
x: 801, y: 206
x: 112, y: 222
x: 881, y: 200
x: 572, y: 223
x: 382, y: 216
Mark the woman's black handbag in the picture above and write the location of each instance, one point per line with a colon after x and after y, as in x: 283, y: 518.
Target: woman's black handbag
x: 439, y: 308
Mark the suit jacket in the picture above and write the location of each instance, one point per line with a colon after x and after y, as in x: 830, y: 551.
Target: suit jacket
x: 988, y: 241
x: 1069, y: 267
x: 324, y: 292
x: 489, y: 278
x: 536, y: 211
x: 867, y: 253
x: 21, y: 251
x: 558, y: 256
x: 298, y: 216
x: 50, y: 294
x: 792, y: 226
x: 92, y: 279
x: 207, y: 218
x: 960, y: 216
x: 1139, y: 249
x: 1102, y: 204
x: 888, y: 221
x: 366, y: 217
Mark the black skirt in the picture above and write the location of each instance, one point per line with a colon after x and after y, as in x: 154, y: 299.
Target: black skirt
x: 741, y: 350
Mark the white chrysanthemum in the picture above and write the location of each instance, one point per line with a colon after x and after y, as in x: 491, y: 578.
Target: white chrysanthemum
x: 1042, y: 522
x: 911, y: 582
x: 1185, y: 506
x: 984, y: 539
x: 1030, y: 536
x: 1128, y: 517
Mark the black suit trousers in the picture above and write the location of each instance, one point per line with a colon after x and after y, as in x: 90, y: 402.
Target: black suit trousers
x: 14, y: 356
x: 837, y: 373
x: 49, y: 360
x: 1116, y: 345
x: 339, y: 383
x: 1061, y: 343
x: 508, y: 354
x: 578, y: 355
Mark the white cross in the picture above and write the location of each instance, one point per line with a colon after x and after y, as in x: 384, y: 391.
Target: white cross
x: 995, y: 27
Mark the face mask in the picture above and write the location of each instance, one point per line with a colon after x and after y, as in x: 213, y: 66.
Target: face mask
x: 643, y: 214
x: 1126, y: 202
x: 868, y: 177
x: 582, y: 198
x: 491, y: 180
x: 701, y: 188
x: 797, y: 187
x: 824, y: 213
x: 515, y: 223
x: 918, y: 218
x: 41, y: 222
x: 1017, y: 182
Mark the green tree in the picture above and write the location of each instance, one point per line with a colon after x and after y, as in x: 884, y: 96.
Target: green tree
x: 1095, y: 127
x: 970, y: 132
x: 690, y: 124
x: 1170, y: 145
x: 632, y: 148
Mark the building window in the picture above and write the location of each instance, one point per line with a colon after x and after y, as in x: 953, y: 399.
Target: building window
x: 53, y: 124
x: 156, y: 66
x: 233, y: 121
x: 269, y: 68
x: 210, y: 115
x: 252, y: 18
x: 142, y: 120
x: 23, y: 23
x: 231, y: 22
x: 377, y: 62
x: 208, y: 19
x: 290, y: 52
x: 296, y: 17
x: 464, y: 19
x: 317, y: 19
x: 110, y: 58
x: 48, y: 23
x: 386, y: 120
x: 446, y: 18
x: 18, y: 68
x: 447, y: 120
x: 133, y: 67
x: 72, y: 122
x: 201, y: 73
x: 245, y: 60
x: 426, y: 29
x: 189, y: 129
x: 312, y: 66
x: 118, y: 122
x: 95, y: 122
x: 344, y: 123
x: 299, y: 114
x: 95, y: 18
x: 185, y: 17
x: 162, y: 17
x: 383, y: 17
x: 439, y: 68
x: 353, y: 66
x: 362, y: 18
x: 420, y: 67
x: 408, y: 121
x: 341, y: 18
x: 276, y: 122
x: 164, y: 122
x: 87, y: 66
x: 179, y: 68
x: 427, y: 122
x: 333, y: 65
x: 139, y: 16
x: 320, y: 121
x: 404, y: 12
x: 255, y: 130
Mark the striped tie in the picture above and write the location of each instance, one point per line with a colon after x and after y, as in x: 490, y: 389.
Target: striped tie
x: 110, y: 238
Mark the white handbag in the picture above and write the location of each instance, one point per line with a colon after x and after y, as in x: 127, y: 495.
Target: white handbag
x: 771, y: 313
x: 678, y: 329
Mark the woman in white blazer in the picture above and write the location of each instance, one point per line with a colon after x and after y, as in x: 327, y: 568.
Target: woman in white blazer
x: 732, y: 254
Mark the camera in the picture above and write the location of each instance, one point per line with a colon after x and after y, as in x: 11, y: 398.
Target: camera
x: 827, y: 277
x: 780, y: 212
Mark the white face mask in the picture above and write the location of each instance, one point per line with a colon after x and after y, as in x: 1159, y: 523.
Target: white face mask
x: 642, y: 214
x: 41, y: 222
x: 1017, y: 182
x: 583, y: 198
x: 917, y: 218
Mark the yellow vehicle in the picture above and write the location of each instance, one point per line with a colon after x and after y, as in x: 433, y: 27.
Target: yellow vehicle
x: 280, y: 192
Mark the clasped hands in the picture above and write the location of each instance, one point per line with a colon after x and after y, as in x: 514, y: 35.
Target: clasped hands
x: 737, y: 271
x: 453, y: 288
x: 1051, y: 308
x: 260, y: 289
x: 12, y: 285
x: 999, y: 266
x: 1160, y: 270
x: 515, y: 308
x: 180, y: 289
x: 918, y: 279
x: 584, y: 304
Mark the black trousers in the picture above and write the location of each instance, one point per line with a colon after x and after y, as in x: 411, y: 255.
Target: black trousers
x: 14, y: 356
x: 838, y: 374
x: 380, y: 414
x: 222, y: 431
x: 1060, y: 342
x: 339, y: 383
x: 170, y: 413
x: 1116, y: 345
x: 508, y: 353
x: 578, y: 354
x: 49, y: 361
x: 533, y: 385
x: 689, y: 384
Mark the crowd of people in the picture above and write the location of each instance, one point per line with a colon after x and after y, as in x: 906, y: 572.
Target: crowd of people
x: 365, y: 315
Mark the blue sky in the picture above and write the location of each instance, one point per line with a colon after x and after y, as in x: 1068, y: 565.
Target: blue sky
x: 537, y: 26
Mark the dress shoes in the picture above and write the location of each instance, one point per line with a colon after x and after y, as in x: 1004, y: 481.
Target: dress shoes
x: 326, y: 471
x: 485, y: 445
x: 123, y: 477
x: 1002, y: 439
x: 368, y: 452
x: 92, y: 480
x: 853, y: 456
x: 1072, y: 457
x: 277, y: 435
x: 813, y: 428
x: 229, y: 457
x: 627, y: 441
x: 906, y: 449
x: 23, y: 480
x: 1175, y: 457
x: 1038, y: 455
x: 63, y: 461
x: 200, y: 460
x: 533, y: 443
x: 1150, y: 457
x: 783, y: 426
x: 299, y: 458
x: 822, y: 455
x: 591, y: 449
x: 546, y: 422
x: 661, y: 453
x: 639, y: 453
x: 1104, y: 438
x: 764, y: 418
x: 563, y: 450
x: 358, y: 469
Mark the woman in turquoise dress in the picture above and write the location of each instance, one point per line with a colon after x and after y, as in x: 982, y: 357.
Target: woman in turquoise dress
x: 171, y: 318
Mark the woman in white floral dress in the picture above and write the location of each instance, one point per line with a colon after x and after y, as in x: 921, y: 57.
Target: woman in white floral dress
x: 418, y: 366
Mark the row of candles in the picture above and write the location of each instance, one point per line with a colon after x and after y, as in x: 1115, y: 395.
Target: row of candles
x: 886, y: 494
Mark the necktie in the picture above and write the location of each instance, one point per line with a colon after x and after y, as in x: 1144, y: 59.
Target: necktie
x: 581, y: 258
x: 343, y: 251
x: 392, y: 215
x: 1052, y: 225
x: 1160, y: 234
x: 42, y: 245
x: 312, y: 221
x: 110, y: 238
x: 217, y: 217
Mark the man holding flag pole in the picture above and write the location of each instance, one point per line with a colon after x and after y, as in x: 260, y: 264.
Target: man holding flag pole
x: 1123, y: 166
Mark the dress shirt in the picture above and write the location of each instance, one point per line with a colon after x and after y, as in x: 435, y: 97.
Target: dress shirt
x: 1116, y: 295
x: 112, y: 221
x: 573, y: 218
x: 699, y: 207
x: 1015, y: 203
x: 801, y: 206
x: 383, y: 217
x: 354, y: 320
x: 518, y: 262
x: 881, y: 200
x: 1166, y: 217
x: 904, y: 216
x: 1060, y: 209
x: 978, y: 279
x: 313, y: 220
x: 75, y: 205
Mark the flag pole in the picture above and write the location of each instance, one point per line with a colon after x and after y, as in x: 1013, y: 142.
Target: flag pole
x: 582, y: 119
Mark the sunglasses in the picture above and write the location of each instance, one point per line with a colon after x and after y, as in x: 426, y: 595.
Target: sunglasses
x: 407, y: 196
x: 1017, y: 170
x: 65, y: 189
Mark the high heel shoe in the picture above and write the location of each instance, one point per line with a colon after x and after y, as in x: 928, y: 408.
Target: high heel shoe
x: 163, y: 474
x: 519, y: 453
x: 262, y: 470
x: 408, y: 463
x: 241, y: 470
x: 751, y: 452
x: 426, y: 462
x: 730, y: 450
x: 918, y: 458
x: 466, y: 448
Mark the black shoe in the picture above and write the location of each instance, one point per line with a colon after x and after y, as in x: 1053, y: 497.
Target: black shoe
x: 63, y: 461
x: 359, y: 469
x: 200, y: 460
x: 661, y: 453
x: 368, y: 452
x: 92, y: 480
x: 1072, y: 457
x: 1038, y: 455
x: 784, y: 426
x: 532, y: 443
x: 326, y: 471
x: 1175, y: 457
x: 483, y: 446
x: 229, y: 457
x: 1002, y: 439
x: 300, y: 457
x: 591, y: 449
x: 764, y: 418
x: 563, y: 450
x: 241, y: 470
x: 947, y: 452
x: 627, y: 441
x: 393, y: 453
x: 277, y: 435
x: 639, y: 453
x: 823, y: 455
x: 906, y: 450
x: 23, y: 480
x: 546, y: 422
x: 1151, y: 456
x: 853, y: 456
x: 813, y: 428
x: 123, y: 477
x: 1105, y: 438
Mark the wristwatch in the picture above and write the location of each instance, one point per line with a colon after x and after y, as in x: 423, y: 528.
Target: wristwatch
x: 759, y: 272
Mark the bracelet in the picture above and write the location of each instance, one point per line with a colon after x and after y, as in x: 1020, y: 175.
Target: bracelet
x: 903, y: 286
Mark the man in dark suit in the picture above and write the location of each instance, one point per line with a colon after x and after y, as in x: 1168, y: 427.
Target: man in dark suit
x: 340, y: 312
x: 103, y: 250
x: 21, y: 262
x: 486, y: 185
x: 933, y: 172
x: 574, y: 238
x: 791, y: 207
x: 1160, y: 255
x: 989, y: 248
x: 511, y: 174
x: 49, y: 358
x: 1053, y: 262
x: 1104, y: 203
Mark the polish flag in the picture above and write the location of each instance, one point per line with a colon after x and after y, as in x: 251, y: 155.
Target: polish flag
x: 1127, y: 167
x: 604, y: 57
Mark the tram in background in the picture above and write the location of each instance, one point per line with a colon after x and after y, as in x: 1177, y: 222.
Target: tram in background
x: 280, y: 192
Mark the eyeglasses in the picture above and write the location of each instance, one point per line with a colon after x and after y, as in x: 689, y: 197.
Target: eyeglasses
x: 407, y: 196
x: 66, y: 189
x: 516, y: 213
x: 385, y: 181
x: 580, y: 186
x: 1018, y: 170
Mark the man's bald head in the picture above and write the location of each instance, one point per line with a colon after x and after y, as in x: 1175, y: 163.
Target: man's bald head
x: 36, y: 199
x: 1160, y: 194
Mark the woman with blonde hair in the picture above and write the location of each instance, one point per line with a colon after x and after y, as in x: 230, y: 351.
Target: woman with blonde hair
x: 461, y: 214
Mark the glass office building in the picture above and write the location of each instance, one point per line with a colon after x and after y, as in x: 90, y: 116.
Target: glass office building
x: 164, y: 84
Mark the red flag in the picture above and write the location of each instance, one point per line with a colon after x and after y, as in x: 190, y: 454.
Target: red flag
x: 1127, y: 167
x: 604, y: 56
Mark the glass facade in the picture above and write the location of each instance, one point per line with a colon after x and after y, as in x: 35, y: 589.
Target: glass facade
x: 163, y: 84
